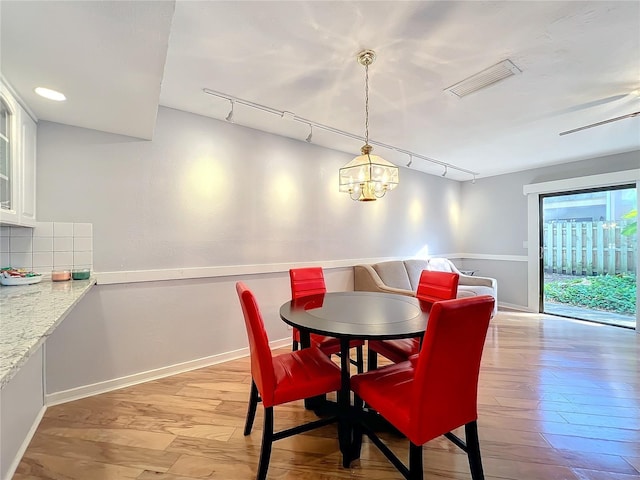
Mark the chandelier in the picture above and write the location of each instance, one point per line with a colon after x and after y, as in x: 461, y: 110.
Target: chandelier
x: 367, y: 177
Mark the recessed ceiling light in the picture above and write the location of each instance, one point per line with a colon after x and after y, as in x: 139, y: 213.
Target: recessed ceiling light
x: 50, y: 94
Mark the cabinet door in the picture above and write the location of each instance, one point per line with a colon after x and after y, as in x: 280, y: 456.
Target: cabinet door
x: 9, y: 151
x: 17, y: 162
x: 28, y: 170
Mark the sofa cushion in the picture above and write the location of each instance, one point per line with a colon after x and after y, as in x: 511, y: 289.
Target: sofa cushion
x: 440, y: 265
x: 474, y: 290
x: 393, y: 274
x: 414, y: 270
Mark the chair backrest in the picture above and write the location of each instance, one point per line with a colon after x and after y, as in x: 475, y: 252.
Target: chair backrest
x: 435, y: 286
x: 261, y: 357
x: 306, y: 281
x: 445, y: 386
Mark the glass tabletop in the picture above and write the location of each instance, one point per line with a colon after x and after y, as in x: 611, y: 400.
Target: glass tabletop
x: 367, y: 315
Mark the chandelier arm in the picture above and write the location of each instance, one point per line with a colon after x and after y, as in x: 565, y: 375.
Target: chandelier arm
x: 379, y: 193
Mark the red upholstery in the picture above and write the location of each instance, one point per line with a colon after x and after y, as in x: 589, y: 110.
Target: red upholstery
x: 310, y: 281
x: 387, y: 391
x: 396, y: 350
x: 289, y: 376
x: 306, y: 281
x: 440, y: 393
x: 433, y: 287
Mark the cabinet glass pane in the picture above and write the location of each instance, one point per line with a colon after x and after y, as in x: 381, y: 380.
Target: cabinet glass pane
x: 5, y: 194
x: 4, y: 120
x: 5, y: 157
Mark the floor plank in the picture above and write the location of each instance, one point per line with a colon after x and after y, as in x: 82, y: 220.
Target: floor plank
x: 558, y: 400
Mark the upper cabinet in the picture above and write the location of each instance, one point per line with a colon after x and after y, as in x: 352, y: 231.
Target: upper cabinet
x: 17, y: 162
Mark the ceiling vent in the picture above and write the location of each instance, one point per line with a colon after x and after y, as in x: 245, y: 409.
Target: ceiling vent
x: 487, y: 77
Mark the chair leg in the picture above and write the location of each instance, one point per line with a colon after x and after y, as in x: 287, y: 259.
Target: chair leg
x: 415, y: 462
x: 294, y: 346
x: 473, y: 450
x: 372, y: 360
x: 359, y: 359
x: 356, y: 445
x: 267, y: 440
x: 251, y: 412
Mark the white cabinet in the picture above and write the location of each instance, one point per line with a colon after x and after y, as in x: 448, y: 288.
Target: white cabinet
x: 27, y: 200
x: 17, y: 162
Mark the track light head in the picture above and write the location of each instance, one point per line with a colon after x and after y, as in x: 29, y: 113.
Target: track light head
x: 229, y: 118
x: 410, y: 160
x: 474, y: 179
x: 444, y: 174
x: 310, y: 136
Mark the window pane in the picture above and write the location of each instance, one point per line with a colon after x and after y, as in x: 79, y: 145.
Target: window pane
x: 589, y: 259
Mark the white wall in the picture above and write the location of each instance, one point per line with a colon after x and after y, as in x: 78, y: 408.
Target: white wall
x: 205, y: 193
x: 494, y: 220
x: 151, y: 329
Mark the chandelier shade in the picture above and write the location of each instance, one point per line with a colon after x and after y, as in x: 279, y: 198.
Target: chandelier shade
x: 367, y: 177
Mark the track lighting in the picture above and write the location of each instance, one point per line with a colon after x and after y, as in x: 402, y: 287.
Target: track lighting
x: 327, y: 128
x: 310, y: 136
x: 444, y: 174
x: 229, y: 118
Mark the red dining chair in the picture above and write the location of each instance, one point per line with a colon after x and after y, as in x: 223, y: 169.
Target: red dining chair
x: 281, y: 379
x: 435, y: 394
x: 433, y: 287
x: 310, y: 281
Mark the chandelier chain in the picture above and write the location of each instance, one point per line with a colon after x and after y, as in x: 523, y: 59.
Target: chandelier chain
x: 366, y: 104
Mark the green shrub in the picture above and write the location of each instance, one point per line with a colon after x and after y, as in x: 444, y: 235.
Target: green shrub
x: 613, y: 293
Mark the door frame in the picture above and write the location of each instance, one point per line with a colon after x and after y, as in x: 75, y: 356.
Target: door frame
x: 541, y: 197
x: 533, y: 192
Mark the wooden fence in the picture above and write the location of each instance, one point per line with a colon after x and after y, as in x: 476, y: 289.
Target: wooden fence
x: 588, y: 248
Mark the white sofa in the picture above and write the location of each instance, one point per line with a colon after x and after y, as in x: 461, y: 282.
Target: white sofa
x: 403, y: 276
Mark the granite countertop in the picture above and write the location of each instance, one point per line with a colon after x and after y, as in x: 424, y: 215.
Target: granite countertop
x: 30, y: 313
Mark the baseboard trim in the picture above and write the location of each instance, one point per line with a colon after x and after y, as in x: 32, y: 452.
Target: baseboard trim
x: 109, y: 385
x: 513, y: 306
x: 27, y: 440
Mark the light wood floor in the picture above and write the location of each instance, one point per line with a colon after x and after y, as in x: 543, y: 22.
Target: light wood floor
x: 558, y: 399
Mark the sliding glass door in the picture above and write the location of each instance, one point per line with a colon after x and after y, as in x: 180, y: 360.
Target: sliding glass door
x: 589, y: 248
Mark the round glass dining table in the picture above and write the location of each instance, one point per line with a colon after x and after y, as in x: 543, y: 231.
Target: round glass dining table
x: 354, y: 315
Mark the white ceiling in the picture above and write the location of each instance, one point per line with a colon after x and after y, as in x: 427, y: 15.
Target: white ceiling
x: 118, y: 60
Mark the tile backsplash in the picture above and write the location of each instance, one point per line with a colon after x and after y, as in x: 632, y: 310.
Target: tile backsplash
x: 48, y: 246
